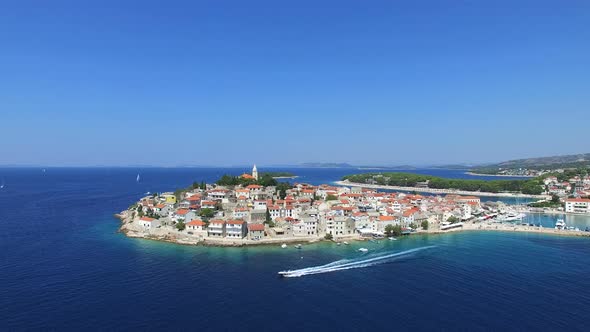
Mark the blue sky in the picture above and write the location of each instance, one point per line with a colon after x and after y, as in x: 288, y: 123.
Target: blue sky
x: 283, y: 82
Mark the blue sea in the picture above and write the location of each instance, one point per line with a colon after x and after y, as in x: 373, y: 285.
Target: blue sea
x: 63, y: 266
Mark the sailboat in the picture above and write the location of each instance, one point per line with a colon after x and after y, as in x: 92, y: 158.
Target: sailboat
x: 2, y: 185
x: 137, y: 179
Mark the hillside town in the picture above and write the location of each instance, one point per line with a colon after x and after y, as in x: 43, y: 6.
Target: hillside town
x: 236, y: 215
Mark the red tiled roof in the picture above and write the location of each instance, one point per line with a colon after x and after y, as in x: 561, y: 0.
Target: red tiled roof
x: 196, y: 222
x: 256, y: 227
x: 578, y: 200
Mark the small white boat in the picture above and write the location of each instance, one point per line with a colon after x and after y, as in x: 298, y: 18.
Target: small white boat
x: 345, y: 243
x: 284, y: 245
x: 147, y: 193
x: 560, y: 224
x: 392, y: 239
x: 298, y: 246
x: 363, y: 249
x: 338, y: 243
x: 137, y: 178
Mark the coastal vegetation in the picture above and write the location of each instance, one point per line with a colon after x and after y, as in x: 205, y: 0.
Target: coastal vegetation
x: 453, y: 219
x: 206, y: 213
x: 567, y: 174
x: 393, y: 230
x: 531, y: 186
x: 180, y: 226
x: 230, y: 180
x: 424, y: 224
x: 555, y: 202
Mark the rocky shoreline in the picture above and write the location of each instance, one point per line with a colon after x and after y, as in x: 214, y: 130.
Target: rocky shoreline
x: 176, y: 237
x: 130, y: 228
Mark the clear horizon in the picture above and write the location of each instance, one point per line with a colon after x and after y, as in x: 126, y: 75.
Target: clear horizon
x: 203, y: 84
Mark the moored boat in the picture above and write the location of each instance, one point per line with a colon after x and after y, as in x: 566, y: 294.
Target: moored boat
x: 560, y: 224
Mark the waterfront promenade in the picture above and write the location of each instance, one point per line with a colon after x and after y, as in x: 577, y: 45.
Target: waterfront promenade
x: 505, y: 227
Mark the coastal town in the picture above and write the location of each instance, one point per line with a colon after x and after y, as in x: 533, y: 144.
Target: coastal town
x: 215, y: 214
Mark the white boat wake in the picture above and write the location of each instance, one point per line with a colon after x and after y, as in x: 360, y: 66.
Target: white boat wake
x: 347, y: 264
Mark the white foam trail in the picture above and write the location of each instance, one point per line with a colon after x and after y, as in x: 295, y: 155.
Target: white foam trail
x: 346, y: 264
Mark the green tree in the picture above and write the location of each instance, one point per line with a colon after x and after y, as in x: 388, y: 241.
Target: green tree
x: 393, y: 230
x: 453, y: 219
x: 179, y: 193
x: 555, y: 199
x: 282, y: 188
x: 207, y: 213
x: 328, y: 236
x: 331, y: 198
x: 180, y: 226
x: 424, y: 224
x: 267, y: 180
x: 413, y: 226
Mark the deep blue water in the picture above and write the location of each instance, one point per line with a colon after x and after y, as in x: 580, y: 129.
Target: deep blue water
x: 64, y: 267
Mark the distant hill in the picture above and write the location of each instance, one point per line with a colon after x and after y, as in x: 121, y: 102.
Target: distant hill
x: 554, y: 162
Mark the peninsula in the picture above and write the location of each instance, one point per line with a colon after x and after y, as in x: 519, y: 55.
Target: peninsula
x: 428, y: 183
x: 250, y: 210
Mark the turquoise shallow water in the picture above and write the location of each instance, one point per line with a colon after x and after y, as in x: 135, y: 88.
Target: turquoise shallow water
x: 64, y: 267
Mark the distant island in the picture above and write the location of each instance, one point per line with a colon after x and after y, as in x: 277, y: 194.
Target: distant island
x: 279, y: 175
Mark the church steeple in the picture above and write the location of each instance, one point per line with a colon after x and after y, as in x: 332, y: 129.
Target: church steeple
x: 255, y: 172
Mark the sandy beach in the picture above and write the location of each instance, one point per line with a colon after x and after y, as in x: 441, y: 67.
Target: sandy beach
x: 439, y: 191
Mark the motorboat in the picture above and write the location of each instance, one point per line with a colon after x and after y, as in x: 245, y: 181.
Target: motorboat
x: 298, y: 246
x: 511, y: 217
x: 363, y: 249
x: 345, y: 243
x: 392, y: 239
x: 284, y: 245
x: 560, y: 224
